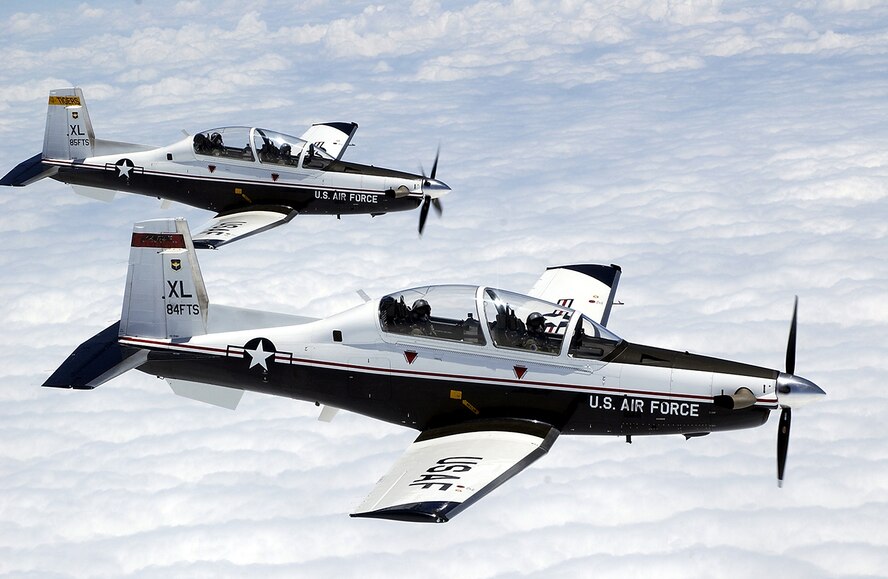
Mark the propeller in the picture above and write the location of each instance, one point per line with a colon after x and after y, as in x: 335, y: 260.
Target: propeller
x: 432, y: 189
x: 792, y: 391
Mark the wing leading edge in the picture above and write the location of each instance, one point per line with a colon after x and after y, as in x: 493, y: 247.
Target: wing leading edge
x: 447, y: 469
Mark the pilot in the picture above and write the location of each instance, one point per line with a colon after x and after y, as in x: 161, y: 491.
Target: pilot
x: 421, y: 324
x: 536, y: 338
x: 394, y: 315
x: 285, y: 153
x: 216, y: 143
x: 269, y: 153
x: 201, y: 143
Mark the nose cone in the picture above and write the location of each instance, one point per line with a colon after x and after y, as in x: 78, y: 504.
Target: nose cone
x: 434, y: 188
x: 794, y: 391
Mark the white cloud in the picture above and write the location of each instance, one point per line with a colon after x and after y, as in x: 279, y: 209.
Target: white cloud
x: 33, y: 23
x: 727, y: 156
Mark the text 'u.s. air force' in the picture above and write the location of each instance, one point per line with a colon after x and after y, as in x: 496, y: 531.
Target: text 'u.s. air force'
x: 658, y: 407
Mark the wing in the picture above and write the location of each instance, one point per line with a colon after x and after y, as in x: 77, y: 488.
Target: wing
x: 587, y: 288
x: 331, y: 137
x: 227, y: 227
x: 447, y: 469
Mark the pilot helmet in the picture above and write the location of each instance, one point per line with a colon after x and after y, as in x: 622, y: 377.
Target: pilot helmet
x: 536, y: 321
x: 285, y: 149
x: 421, y: 308
x: 216, y: 138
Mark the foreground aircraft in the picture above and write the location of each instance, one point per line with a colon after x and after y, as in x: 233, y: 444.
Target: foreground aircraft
x: 490, y: 378
x: 253, y: 179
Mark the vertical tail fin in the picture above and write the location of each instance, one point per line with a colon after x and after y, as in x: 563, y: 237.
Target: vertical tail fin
x: 587, y: 288
x: 165, y: 293
x: 69, y: 132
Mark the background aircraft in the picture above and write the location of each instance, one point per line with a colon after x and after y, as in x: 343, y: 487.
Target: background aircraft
x: 489, y: 377
x: 252, y: 178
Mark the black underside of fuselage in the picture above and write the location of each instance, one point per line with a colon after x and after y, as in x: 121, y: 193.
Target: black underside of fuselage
x: 221, y: 196
x: 422, y: 403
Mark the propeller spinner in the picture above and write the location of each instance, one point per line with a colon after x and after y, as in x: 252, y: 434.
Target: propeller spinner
x: 792, y: 391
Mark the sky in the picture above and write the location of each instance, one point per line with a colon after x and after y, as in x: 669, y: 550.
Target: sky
x: 727, y: 155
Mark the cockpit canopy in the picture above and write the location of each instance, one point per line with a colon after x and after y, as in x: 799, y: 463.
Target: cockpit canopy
x: 514, y: 321
x: 446, y: 312
x: 269, y: 147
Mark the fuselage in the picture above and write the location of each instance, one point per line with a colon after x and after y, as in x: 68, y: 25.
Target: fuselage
x: 462, y: 371
x: 227, y: 179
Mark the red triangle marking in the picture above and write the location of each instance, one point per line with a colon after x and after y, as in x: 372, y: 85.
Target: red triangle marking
x: 211, y: 168
x: 410, y: 355
x: 520, y: 371
x: 274, y: 176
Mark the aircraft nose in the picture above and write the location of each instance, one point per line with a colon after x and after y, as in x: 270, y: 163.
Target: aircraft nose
x: 794, y: 391
x: 434, y: 188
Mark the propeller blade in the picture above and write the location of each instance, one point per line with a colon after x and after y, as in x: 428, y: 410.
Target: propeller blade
x: 435, y: 164
x: 434, y: 187
x: 424, y: 213
x: 791, y: 344
x: 783, y: 442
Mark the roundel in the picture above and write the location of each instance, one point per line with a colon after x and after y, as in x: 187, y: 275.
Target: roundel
x: 124, y: 168
x: 259, y: 352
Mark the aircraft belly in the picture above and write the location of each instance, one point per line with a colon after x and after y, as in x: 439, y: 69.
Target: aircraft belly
x: 366, y: 386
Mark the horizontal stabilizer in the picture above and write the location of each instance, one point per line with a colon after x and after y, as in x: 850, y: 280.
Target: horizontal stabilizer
x: 106, y: 195
x: 233, y: 319
x: 225, y: 228
x: 28, y: 171
x: 104, y: 147
x: 333, y: 138
x: 588, y: 288
x: 96, y: 361
x: 447, y: 469
x: 207, y: 393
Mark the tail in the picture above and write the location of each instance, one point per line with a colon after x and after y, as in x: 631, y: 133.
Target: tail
x: 165, y: 292
x: 588, y: 288
x: 165, y: 298
x: 69, y: 132
x: 69, y: 135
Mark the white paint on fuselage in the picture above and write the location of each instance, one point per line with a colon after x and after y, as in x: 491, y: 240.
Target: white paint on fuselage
x: 362, y: 338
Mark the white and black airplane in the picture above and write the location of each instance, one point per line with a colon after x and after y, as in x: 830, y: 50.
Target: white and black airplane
x: 490, y: 378
x: 252, y: 178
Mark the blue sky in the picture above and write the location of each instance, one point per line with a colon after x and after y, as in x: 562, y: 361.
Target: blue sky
x: 727, y: 155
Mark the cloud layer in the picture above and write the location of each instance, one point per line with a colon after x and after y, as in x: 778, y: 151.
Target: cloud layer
x: 727, y: 156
